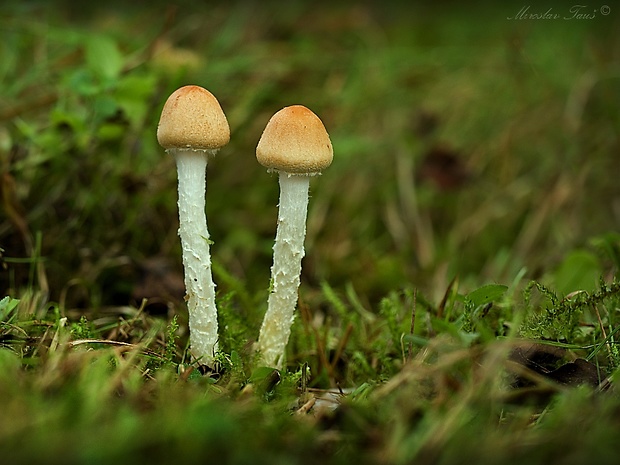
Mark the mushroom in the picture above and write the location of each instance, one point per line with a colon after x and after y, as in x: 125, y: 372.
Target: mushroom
x: 297, y: 146
x: 192, y: 128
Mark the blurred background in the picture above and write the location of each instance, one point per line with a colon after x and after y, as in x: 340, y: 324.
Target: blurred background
x: 469, y: 142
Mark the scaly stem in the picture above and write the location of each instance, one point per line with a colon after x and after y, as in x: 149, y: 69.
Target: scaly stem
x: 199, y: 286
x: 288, y: 251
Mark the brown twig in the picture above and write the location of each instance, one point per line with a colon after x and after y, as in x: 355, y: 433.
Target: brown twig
x: 412, y: 328
x: 125, y: 345
x: 341, y: 346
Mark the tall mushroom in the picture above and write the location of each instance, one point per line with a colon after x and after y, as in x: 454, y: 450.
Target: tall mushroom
x: 295, y: 144
x: 192, y: 128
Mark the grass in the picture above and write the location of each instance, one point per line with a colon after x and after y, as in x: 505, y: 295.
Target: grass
x: 461, y: 278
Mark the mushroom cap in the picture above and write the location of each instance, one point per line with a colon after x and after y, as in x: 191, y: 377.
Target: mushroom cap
x: 192, y: 118
x: 295, y: 141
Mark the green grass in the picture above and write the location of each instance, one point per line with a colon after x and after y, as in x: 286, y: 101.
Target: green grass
x: 470, y: 217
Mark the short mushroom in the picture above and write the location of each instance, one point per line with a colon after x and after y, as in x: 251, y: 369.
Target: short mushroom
x: 297, y: 146
x: 192, y: 128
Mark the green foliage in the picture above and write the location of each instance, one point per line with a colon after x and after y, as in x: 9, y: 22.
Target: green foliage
x: 170, y: 349
x: 82, y: 329
x: 609, y: 245
x: 7, y: 306
x: 480, y: 301
x: 580, y: 270
x: 233, y: 324
x: 560, y: 319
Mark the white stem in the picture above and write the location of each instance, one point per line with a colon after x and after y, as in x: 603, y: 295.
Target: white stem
x: 288, y: 251
x: 199, y: 286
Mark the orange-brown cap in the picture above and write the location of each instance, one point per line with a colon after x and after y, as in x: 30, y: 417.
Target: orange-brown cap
x: 295, y: 141
x: 192, y: 118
